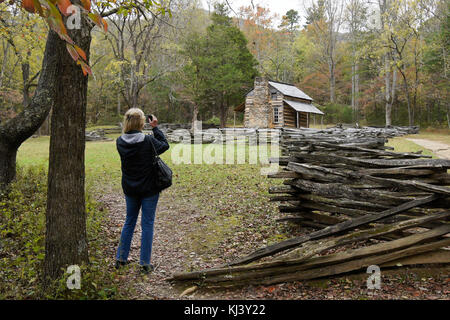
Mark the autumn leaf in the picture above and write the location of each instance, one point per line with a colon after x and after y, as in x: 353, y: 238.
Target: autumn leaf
x: 38, y: 7
x: 86, y: 69
x: 271, y: 289
x: 63, y: 5
x: 80, y: 52
x: 72, y: 51
x: 29, y: 6
x: 105, y: 25
x: 86, y: 4
x: 99, y: 21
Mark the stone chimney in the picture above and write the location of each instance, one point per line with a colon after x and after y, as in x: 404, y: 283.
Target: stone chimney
x: 259, y: 110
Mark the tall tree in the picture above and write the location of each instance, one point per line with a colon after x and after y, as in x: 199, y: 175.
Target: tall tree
x: 256, y: 21
x: 15, y: 131
x: 325, y: 18
x: 137, y: 43
x: 356, y: 17
x: 390, y: 72
x: 290, y: 21
x: 222, y: 63
x: 66, y: 240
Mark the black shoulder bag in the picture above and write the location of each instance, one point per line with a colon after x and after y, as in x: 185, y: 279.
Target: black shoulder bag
x: 162, y: 172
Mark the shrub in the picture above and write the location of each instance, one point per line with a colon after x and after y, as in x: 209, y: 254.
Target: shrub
x: 22, y: 244
x: 337, y: 113
x: 213, y: 120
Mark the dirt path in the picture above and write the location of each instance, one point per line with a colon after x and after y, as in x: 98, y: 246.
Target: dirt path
x: 176, y: 221
x: 442, y: 150
x: 168, y: 256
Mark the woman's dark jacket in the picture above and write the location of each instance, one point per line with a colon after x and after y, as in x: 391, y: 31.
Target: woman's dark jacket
x: 137, y: 155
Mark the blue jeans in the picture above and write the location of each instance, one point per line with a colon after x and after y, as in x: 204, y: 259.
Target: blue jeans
x: 148, y: 206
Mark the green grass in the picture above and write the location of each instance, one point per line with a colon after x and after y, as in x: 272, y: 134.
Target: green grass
x: 441, y: 136
x: 92, y: 128
x: 232, y: 197
x: 400, y: 144
x: 102, y: 160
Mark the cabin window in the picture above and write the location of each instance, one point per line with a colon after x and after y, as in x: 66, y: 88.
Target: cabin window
x: 276, y: 115
x: 273, y: 96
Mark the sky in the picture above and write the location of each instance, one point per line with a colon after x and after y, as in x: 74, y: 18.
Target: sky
x: 276, y: 6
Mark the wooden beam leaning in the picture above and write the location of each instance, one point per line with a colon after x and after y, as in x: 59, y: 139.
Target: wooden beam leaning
x: 293, y: 266
x: 340, y: 227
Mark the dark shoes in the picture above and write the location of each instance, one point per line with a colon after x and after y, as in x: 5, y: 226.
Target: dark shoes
x: 144, y: 269
x: 120, y: 264
x: 147, y: 269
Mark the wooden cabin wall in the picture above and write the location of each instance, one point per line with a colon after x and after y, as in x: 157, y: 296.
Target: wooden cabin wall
x: 289, y: 117
x: 277, y: 102
x: 303, y: 117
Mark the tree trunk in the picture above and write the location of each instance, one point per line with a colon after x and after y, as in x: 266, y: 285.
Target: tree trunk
x: 4, y: 63
x: 408, y: 99
x: 353, y: 91
x: 194, y: 116
x: 448, y: 118
x: 15, y: 131
x: 387, y: 81
x: 26, y: 87
x: 223, y: 116
x: 357, y: 92
x: 66, y: 239
x: 119, y: 108
x: 223, y: 112
x: 332, y: 80
x: 7, y: 165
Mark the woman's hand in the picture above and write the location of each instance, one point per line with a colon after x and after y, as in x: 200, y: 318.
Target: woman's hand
x: 154, y: 122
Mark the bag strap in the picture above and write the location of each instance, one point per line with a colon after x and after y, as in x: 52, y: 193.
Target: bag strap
x: 154, y: 149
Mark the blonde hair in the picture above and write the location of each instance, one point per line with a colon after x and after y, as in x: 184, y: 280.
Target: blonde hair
x: 134, y: 119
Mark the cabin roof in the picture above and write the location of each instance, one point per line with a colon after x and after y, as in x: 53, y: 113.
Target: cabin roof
x: 240, y: 108
x: 303, y: 107
x: 290, y: 90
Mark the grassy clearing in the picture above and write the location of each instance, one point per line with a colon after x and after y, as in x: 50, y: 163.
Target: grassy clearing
x: 232, y: 197
x: 102, y: 159
x: 92, y: 128
x: 440, y: 136
x: 400, y: 144
x: 230, y: 203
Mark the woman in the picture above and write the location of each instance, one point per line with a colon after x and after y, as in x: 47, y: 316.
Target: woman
x: 136, y: 154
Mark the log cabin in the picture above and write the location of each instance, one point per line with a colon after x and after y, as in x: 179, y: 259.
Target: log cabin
x: 272, y: 104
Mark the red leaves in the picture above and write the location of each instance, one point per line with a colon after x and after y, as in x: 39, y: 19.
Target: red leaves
x: 85, y: 67
x: 99, y: 21
x: 86, y: 4
x: 81, y: 53
x: 29, y: 6
x: 72, y: 51
x: 105, y: 25
x: 80, y: 57
x: 76, y: 52
x: 49, y: 11
x: 63, y: 5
